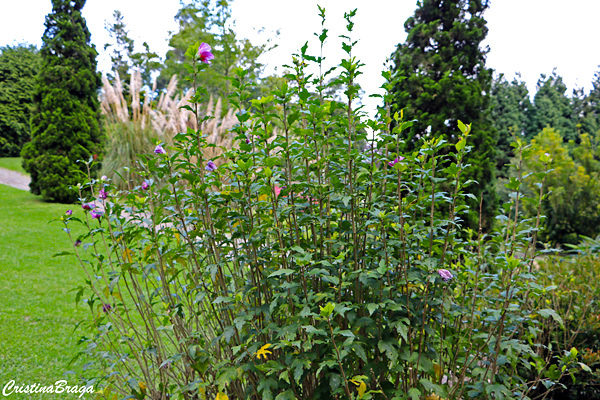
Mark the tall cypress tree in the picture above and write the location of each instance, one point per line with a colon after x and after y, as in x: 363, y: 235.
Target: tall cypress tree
x: 65, y: 125
x: 440, y: 78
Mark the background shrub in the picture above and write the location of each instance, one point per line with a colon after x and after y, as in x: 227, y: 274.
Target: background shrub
x: 572, y: 290
x: 19, y: 66
x: 573, y: 189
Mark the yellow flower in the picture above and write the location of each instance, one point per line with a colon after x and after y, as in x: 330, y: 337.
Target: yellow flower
x: 434, y: 397
x: 263, y: 351
x: 221, y: 396
x: 127, y: 255
x: 142, y: 386
x: 362, y: 387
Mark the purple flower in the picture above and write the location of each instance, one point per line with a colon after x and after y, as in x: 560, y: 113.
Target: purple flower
x: 159, y: 150
x: 211, y: 166
x: 248, y: 141
x: 445, y: 274
x: 96, y: 214
x: 145, y: 185
x: 77, y: 243
x: 396, y: 161
x: 106, y: 308
x: 204, y: 53
x: 102, y: 194
x: 68, y: 213
x: 88, y: 206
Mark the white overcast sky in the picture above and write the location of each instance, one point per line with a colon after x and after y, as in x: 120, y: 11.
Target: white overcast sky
x: 526, y: 36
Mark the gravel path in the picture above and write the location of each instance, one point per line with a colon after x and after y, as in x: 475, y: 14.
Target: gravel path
x: 14, y: 179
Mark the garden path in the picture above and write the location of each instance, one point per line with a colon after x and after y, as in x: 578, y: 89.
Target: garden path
x: 14, y: 179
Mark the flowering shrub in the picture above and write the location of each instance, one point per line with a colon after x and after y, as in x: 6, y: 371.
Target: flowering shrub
x: 319, y: 264
x: 571, y: 284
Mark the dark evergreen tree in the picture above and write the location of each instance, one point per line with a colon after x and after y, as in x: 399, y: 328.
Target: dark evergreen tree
x: 585, y: 122
x: 440, y: 78
x: 19, y: 66
x: 509, y: 110
x: 552, y: 108
x: 65, y: 125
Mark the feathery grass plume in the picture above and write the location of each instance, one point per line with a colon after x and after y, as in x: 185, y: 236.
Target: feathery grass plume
x: 134, y: 128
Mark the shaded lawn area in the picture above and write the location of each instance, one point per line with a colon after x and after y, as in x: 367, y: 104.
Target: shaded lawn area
x: 12, y: 163
x: 37, y: 302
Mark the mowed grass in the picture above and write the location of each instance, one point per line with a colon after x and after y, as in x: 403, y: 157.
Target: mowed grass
x: 37, y: 302
x: 12, y: 163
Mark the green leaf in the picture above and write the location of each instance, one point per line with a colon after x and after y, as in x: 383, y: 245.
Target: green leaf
x: 287, y: 395
x: 547, y: 312
x: 402, y: 330
x: 585, y: 367
x: 327, y: 310
x: 463, y: 128
x: 414, y: 393
x: 298, y: 249
x: 312, y: 329
x: 334, y: 382
x: 360, y: 351
x: 346, y: 333
x: 388, y: 348
x: 284, y: 376
x: 346, y: 200
x: 372, y: 307
x: 298, y: 368
x: 498, y: 390
x: 432, y: 387
x: 282, y: 271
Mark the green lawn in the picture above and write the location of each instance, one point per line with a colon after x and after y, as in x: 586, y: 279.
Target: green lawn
x: 37, y: 305
x: 12, y: 163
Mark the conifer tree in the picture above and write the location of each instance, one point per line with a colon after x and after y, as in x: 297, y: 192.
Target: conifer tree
x: 440, y: 78
x: 552, y: 108
x: 509, y: 110
x: 587, y: 108
x: 65, y: 119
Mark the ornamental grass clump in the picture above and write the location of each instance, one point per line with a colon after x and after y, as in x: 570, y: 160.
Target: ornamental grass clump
x: 134, y: 127
x: 308, y: 265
